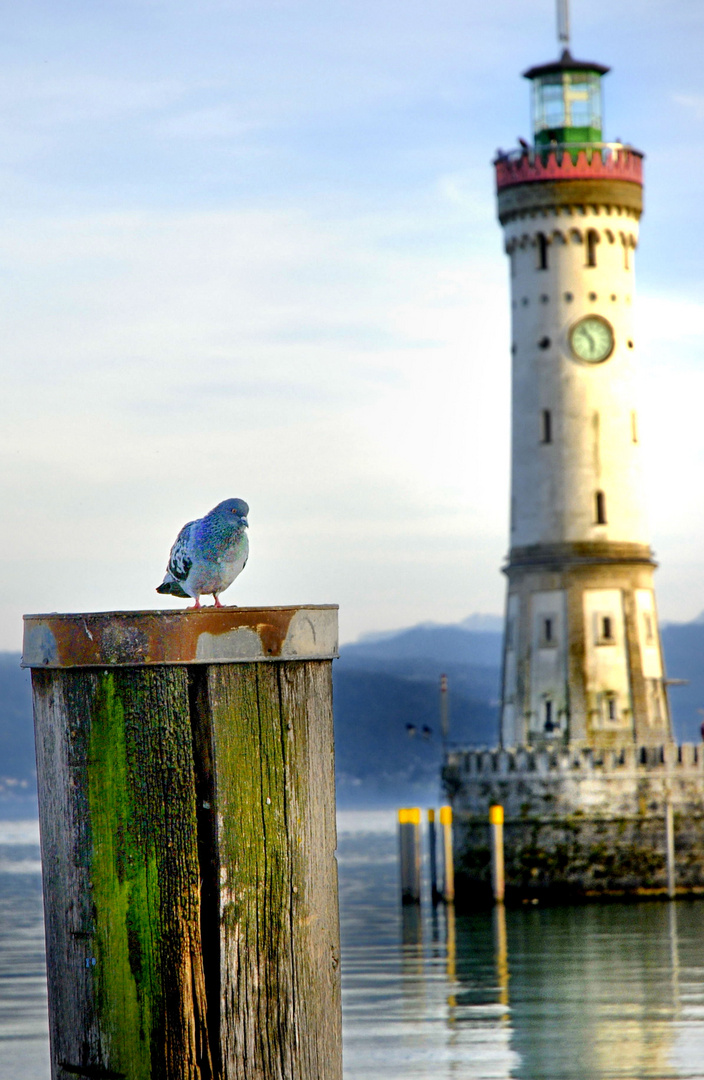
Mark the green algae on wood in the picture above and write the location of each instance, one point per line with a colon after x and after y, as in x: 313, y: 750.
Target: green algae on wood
x: 274, y: 789
x: 127, y: 772
x: 188, y: 849
x: 125, y: 891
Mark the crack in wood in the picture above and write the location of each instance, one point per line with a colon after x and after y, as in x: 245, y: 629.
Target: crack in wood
x: 209, y: 865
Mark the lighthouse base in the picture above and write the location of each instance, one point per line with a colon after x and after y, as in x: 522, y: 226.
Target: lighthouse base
x: 579, y: 824
x: 582, y: 657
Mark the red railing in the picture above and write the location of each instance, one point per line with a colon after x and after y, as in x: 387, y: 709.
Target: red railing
x: 572, y: 161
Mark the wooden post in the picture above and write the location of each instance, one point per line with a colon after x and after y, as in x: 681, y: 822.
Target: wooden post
x: 670, y: 849
x: 448, y: 888
x: 409, y: 851
x: 433, y: 853
x: 187, y: 812
x: 496, y: 826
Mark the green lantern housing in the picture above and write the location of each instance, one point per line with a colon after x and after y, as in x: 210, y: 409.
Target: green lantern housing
x: 567, y: 101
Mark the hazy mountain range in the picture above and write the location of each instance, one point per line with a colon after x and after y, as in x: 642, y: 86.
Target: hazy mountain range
x: 387, y: 707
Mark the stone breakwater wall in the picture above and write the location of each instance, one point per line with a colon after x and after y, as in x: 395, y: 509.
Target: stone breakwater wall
x: 578, y: 822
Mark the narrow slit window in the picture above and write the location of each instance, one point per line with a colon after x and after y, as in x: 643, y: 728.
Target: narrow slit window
x: 546, y: 426
x: 626, y: 264
x: 607, y: 630
x: 549, y: 722
x: 592, y: 241
x: 648, y: 620
x: 611, y: 707
x: 547, y: 629
x: 634, y: 426
x: 542, y: 251
x: 600, y: 508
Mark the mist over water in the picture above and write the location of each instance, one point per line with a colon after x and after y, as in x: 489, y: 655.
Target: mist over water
x: 597, y: 992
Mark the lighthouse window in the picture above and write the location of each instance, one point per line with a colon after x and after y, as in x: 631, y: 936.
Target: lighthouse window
x: 648, y: 620
x: 611, y: 707
x: 600, y: 508
x: 547, y: 426
x: 548, y: 632
x: 592, y: 241
x: 542, y: 251
x: 604, y: 630
x: 634, y: 426
x: 549, y: 722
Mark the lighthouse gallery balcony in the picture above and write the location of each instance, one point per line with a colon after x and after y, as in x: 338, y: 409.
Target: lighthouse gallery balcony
x: 568, y: 161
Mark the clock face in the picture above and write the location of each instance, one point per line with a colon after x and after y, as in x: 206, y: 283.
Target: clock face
x: 592, y: 339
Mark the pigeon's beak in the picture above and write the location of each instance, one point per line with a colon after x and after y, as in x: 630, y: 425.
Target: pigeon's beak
x: 245, y: 522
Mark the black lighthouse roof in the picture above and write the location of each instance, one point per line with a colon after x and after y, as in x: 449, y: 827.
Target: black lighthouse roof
x: 566, y: 63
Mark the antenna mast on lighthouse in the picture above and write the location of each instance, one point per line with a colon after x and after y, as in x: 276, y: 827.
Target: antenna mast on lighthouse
x: 563, y: 23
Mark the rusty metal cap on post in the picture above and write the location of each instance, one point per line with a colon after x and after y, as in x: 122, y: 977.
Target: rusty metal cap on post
x: 207, y: 636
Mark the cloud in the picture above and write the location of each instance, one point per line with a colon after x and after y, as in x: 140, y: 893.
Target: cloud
x: 346, y: 389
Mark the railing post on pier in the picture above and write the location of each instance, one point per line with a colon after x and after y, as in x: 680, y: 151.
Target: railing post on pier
x: 496, y: 827
x: 409, y: 852
x: 448, y: 888
x: 187, y: 813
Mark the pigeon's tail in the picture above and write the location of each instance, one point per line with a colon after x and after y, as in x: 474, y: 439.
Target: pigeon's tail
x: 173, y: 587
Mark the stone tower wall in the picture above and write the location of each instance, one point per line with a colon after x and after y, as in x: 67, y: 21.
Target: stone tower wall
x: 579, y: 823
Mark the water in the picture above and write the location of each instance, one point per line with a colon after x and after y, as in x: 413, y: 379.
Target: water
x: 610, y: 992
x: 24, y: 1030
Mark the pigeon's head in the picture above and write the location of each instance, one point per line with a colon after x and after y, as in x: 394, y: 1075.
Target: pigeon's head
x: 232, y: 510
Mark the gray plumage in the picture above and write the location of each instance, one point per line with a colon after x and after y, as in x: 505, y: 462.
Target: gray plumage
x: 208, y: 553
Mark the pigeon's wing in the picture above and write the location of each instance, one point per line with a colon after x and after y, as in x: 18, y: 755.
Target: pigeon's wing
x: 181, y: 557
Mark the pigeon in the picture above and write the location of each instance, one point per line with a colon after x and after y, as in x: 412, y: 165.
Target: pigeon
x: 208, y: 553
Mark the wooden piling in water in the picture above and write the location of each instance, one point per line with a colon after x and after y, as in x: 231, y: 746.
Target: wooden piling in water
x: 448, y: 887
x: 187, y: 813
x: 496, y: 827
x: 409, y: 854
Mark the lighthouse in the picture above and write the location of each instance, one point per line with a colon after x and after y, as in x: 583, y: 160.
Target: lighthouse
x: 597, y: 797
x: 582, y: 663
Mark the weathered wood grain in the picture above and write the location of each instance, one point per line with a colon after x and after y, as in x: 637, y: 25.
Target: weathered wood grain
x: 279, y: 949
x: 188, y: 843
x: 121, y: 874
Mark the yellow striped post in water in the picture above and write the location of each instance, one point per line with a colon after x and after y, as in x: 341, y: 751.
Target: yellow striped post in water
x: 496, y: 826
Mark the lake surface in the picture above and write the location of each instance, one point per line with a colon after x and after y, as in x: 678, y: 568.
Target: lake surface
x: 585, y: 993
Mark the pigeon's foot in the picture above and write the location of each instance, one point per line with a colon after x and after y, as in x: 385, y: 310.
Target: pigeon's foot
x: 217, y: 602
x: 196, y: 606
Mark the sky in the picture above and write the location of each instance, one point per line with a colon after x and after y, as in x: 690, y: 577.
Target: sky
x: 249, y: 249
